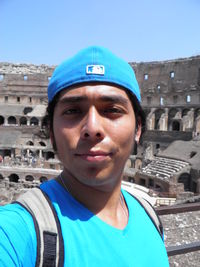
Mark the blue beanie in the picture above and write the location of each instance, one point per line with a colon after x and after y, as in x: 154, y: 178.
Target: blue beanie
x: 93, y: 64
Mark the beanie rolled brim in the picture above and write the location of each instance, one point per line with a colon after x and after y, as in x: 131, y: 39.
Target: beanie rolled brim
x: 93, y: 64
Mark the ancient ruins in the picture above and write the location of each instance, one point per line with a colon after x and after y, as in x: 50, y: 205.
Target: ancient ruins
x: 167, y: 162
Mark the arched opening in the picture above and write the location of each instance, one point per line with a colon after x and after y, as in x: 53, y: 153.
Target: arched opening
x: 157, y: 146
x: 29, y: 178
x: 27, y: 110
x: 36, y: 154
x: 185, y: 179
x: 23, y: 121
x: 29, y: 143
x: 49, y: 155
x: 43, y: 179
x: 197, y: 113
x: 192, y: 154
x: 185, y: 112
x: 34, y: 121
x: 31, y: 153
x: 194, y: 187
x: 2, y: 120
x: 131, y: 179
x: 158, y: 188
x: 1, y: 177
x: 14, y: 178
x: 175, y: 126
x: 12, y: 120
x: 7, y: 152
x: 44, y: 122
x: 142, y: 182
x: 171, y: 117
x: 151, y: 183
x: 42, y: 143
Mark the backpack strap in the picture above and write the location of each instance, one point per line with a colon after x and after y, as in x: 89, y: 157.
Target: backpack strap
x: 50, y: 246
x: 151, y: 212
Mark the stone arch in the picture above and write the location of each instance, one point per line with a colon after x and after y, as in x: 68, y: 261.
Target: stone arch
x: 185, y: 112
x: 41, y: 143
x: 43, y: 179
x: 31, y: 153
x: 2, y: 120
x: 158, y: 114
x: 176, y: 126
x: 49, y: 155
x: 172, y: 112
x: 34, y: 121
x: 7, y: 152
x: 37, y: 153
x: 131, y: 179
x: 147, y: 111
x: 23, y: 121
x: 185, y: 179
x: 29, y: 143
x: 157, y: 146
x: 12, y: 120
x: 172, y: 115
x: 158, y: 188
x: 13, y: 178
x: 27, y: 110
x: 197, y: 113
x: 142, y: 181
x: 44, y: 122
x: 29, y: 178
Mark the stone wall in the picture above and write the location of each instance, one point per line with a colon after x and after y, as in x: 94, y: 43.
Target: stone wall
x: 170, y: 97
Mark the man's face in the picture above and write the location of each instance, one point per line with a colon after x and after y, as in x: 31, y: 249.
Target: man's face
x: 94, y: 132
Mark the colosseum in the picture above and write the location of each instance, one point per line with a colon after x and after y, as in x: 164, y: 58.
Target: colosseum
x: 167, y: 161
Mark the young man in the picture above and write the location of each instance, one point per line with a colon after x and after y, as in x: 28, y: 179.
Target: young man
x: 95, y: 118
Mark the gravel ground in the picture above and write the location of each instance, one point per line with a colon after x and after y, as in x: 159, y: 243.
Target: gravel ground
x: 180, y: 229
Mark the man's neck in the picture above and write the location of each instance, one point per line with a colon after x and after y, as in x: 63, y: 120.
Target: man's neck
x: 108, y: 205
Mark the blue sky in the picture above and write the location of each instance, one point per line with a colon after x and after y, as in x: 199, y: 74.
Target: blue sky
x: 48, y: 31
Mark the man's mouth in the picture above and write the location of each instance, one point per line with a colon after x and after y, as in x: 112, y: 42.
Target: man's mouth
x: 94, y: 156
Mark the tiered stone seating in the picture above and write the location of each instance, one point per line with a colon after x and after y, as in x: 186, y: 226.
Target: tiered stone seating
x: 164, y: 168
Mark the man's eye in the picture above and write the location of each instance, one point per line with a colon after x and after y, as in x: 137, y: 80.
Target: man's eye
x: 71, y: 111
x: 113, y: 110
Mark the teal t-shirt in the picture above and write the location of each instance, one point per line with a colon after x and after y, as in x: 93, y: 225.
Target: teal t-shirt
x: 88, y: 241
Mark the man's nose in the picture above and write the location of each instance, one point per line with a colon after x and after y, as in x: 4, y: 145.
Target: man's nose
x: 93, y: 125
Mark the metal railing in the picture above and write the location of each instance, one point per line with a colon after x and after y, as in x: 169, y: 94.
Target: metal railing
x: 184, y: 248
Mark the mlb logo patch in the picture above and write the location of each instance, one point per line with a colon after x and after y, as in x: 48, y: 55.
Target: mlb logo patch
x: 95, y: 69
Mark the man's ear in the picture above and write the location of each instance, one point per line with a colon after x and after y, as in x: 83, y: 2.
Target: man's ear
x: 138, y: 131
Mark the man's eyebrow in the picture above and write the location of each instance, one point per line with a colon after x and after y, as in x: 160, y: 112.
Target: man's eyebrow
x: 72, y: 99
x: 114, y: 99
x: 104, y: 98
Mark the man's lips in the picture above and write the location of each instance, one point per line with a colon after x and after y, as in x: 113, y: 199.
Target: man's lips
x: 94, y: 156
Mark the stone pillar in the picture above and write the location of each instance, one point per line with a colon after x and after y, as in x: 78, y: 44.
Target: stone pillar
x: 40, y: 122
x: 6, y: 121
x: 40, y: 153
x: 163, y: 122
x: 151, y: 121
x: 198, y: 185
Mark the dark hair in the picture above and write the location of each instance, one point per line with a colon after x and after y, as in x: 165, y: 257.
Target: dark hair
x: 140, y: 115
x: 139, y: 112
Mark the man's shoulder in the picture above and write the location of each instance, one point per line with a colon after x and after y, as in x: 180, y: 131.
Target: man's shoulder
x: 17, y: 235
x: 16, y: 220
x: 14, y: 214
